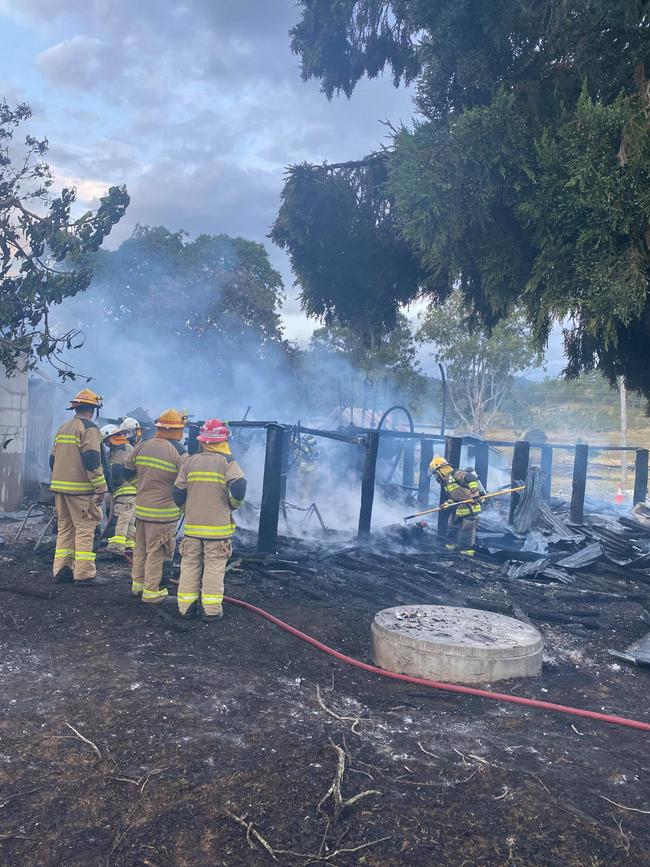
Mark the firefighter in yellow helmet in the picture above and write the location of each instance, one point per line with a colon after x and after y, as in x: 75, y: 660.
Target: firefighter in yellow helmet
x: 211, y: 485
x: 79, y: 487
x: 460, y: 485
x: 154, y: 464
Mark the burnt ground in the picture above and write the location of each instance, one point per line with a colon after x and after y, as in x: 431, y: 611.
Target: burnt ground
x: 193, y: 735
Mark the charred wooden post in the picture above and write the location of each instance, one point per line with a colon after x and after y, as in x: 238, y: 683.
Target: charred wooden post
x: 267, y: 537
x: 579, y: 482
x: 453, y: 445
x: 424, y: 479
x: 547, y: 471
x: 482, y: 462
x: 368, y: 483
x: 640, y: 476
x: 408, y: 463
x: 520, y: 461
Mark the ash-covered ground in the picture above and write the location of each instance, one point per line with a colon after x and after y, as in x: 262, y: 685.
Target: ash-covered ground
x: 127, y: 742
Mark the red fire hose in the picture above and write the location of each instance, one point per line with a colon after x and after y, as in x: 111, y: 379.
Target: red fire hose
x: 448, y: 687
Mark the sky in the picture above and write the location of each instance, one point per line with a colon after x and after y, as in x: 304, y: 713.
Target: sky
x: 198, y: 106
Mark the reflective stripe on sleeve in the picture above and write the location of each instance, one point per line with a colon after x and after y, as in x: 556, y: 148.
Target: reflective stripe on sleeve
x: 98, y: 481
x: 68, y: 438
x: 64, y: 487
x: 209, y: 530
x: 156, y: 463
x: 117, y: 540
x: 125, y: 491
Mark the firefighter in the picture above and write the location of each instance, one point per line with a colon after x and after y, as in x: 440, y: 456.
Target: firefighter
x: 132, y: 430
x: 154, y: 464
x: 122, y: 523
x: 308, y: 457
x: 460, y: 485
x: 211, y: 485
x: 79, y: 487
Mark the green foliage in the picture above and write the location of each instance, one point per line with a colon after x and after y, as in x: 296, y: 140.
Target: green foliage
x: 215, y: 287
x: 525, y: 180
x: 347, y: 255
x: 39, y: 246
x: 480, y: 366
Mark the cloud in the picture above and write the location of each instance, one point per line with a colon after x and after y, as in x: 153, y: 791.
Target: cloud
x: 74, y: 63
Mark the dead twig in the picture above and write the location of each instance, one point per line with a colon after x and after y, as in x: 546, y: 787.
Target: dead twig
x: 94, y: 747
x: 251, y: 832
x: 426, y: 752
x: 117, y: 842
x: 334, y: 791
x: 21, y: 795
x: 355, y: 720
x: 144, y: 780
x: 623, y: 807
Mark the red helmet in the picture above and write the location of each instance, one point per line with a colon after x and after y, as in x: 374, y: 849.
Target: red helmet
x: 214, y: 431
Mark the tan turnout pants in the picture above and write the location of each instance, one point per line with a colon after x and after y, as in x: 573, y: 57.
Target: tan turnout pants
x: 466, y: 532
x: 154, y: 543
x: 123, y: 537
x: 76, y: 519
x: 203, y: 566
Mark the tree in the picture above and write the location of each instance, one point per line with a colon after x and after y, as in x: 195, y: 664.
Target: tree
x: 39, y: 247
x: 526, y: 179
x: 215, y: 287
x: 346, y: 252
x: 481, y: 366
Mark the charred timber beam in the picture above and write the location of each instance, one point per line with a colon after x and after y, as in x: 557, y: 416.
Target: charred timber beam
x: 368, y: 483
x: 579, y: 483
x: 453, y: 445
x: 640, y: 476
x: 424, y: 480
x: 267, y: 538
x: 332, y: 435
x: 520, y: 461
x: 482, y: 462
x: 547, y: 471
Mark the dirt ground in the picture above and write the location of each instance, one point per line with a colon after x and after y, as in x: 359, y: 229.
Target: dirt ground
x: 126, y: 742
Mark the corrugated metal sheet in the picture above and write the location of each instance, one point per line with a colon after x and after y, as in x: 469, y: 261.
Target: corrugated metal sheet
x: 40, y: 416
x: 13, y: 439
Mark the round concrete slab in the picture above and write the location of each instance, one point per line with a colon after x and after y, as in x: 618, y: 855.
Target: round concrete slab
x: 455, y: 645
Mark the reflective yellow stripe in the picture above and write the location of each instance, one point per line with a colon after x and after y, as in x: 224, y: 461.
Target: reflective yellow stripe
x: 64, y: 552
x: 153, y: 512
x: 98, y: 481
x: 67, y: 438
x: 212, y: 598
x: 125, y: 491
x: 67, y: 487
x: 205, y: 476
x: 84, y: 555
x: 156, y: 463
x: 235, y: 503
x: 120, y: 540
x: 130, y: 543
x: 209, y: 530
x: 154, y: 594
x: 137, y: 586
x: 187, y: 597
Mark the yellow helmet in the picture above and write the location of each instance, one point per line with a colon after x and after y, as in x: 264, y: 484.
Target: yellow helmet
x: 436, y: 464
x: 86, y: 397
x: 172, y: 419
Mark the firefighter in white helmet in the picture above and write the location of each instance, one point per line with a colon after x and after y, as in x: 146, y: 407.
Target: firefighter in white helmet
x: 121, y: 531
x: 132, y: 430
x: 211, y: 485
x: 460, y: 485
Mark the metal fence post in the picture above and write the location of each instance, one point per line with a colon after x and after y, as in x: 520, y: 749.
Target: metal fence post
x: 640, y: 476
x: 547, y: 471
x: 579, y: 482
x: 424, y: 479
x: 482, y: 462
x: 408, y: 463
x: 267, y: 536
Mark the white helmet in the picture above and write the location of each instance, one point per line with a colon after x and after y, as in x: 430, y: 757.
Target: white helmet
x: 129, y: 424
x: 108, y: 430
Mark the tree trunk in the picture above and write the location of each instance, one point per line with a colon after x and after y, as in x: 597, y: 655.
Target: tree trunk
x: 622, y: 390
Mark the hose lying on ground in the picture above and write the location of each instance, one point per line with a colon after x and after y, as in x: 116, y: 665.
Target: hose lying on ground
x: 448, y: 687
